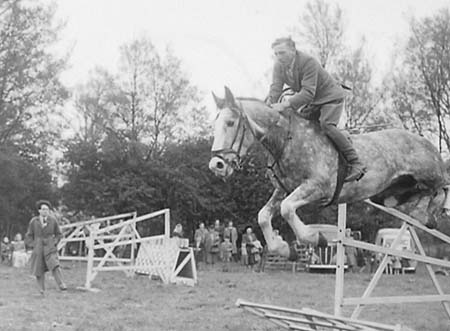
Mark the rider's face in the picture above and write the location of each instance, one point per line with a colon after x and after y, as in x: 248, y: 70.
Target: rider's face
x: 284, y: 53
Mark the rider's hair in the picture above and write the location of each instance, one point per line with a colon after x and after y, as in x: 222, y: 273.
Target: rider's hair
x: 285, y: 40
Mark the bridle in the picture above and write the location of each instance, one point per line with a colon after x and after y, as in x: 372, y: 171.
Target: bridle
x: 236, y: 161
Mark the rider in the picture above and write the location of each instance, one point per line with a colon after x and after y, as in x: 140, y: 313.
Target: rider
x: 316, y: 90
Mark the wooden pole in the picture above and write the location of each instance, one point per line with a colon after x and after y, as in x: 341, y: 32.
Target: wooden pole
x: 376, y: 277
x: 167, y: 223
x: 340, y: 260
x: 90, y: 261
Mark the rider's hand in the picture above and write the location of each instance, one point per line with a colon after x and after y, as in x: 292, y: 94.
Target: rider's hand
x: 281, y: 106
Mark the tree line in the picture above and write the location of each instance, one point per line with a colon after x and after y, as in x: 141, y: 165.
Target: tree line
x: 140, y: 138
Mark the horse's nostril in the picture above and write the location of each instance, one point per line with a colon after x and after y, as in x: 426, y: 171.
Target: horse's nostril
x: 219, y: 165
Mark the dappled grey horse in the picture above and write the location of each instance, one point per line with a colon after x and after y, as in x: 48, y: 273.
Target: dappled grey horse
x: 403, y: 169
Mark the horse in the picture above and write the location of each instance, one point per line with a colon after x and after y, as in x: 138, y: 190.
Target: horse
x: 403, y: 169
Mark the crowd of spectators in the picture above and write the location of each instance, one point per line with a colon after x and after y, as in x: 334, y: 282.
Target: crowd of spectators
x: 14, y: 253
x: 223, y: 243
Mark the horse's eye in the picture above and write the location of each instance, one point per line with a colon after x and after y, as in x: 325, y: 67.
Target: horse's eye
x: 230, y: 123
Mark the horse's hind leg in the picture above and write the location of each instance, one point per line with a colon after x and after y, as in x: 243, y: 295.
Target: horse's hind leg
x: 426, y: 208
x: 265, y: 215
x: 435, y: 208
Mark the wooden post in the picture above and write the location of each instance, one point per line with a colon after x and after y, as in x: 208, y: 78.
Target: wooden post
x: 90, y: 261
x: 167, y: 224
x: 340, y: 260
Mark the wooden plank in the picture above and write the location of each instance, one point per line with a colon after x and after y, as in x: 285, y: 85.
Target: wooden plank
x: 98, y: 220
x: 394, y: 252
x: 376, y: 277
x: 127, y: 242
x: 134, y: 220
x: 321, y: 323
x: 397, y: 299
x: 340, y: 260
x: 408, y: 219
x: 430, y: 270
x: 313, y: 313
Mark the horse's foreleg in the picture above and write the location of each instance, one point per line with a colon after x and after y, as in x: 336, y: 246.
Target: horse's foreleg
x: 303, y: 195
x: 265, y: 215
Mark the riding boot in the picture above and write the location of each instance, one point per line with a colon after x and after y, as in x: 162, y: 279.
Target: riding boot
x: 356, y: 167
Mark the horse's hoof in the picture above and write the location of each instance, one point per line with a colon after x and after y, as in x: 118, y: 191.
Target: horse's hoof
x: 293, y: 255
x: 322, y: 241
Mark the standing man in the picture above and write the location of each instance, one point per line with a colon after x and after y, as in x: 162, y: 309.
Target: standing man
x: 43, y: 235
x: 230, y: 232
x: 317, y: 92
x: 200, y: 237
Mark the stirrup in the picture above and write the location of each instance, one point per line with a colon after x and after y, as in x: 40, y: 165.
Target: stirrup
x: 356, y: 176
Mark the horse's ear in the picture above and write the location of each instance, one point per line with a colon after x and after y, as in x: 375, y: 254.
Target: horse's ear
x: 229, y: 97
x: 220, y: 103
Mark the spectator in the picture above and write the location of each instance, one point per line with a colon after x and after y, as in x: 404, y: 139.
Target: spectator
x: 251, y: 244
x: 351, y: 253
x: 244, y: 255
x: 43, y: 235
x: 219, y: 228
x: 178, y: 231
x: 212, y: 246
x: 226, y: 250
x: 200, y: 240
x: 6, y: 251
x: 389, y: 265
x: 19, y: 254
x: 231, y: 232
x: 396, y: 265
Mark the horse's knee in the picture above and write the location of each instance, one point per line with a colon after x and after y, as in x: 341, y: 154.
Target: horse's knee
x: 286, y: 209
x: 263, y: 217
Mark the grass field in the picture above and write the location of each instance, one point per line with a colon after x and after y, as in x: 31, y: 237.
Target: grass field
x: 138, y: 303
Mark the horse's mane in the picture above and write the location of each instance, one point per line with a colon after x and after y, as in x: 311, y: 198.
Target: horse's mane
x: 275, y: 138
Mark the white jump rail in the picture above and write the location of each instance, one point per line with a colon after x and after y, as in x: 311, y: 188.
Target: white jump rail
x: 306, y: 319
x: 310, y: 320
x: 409, y: 224
x: 156, y: 255
x: 77, y: 233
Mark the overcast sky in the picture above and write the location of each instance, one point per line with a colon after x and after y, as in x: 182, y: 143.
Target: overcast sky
x: 221, y: 42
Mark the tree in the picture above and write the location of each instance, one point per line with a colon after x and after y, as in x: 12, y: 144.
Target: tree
x: 93, y: 102
x: 30, y: 94
x: 30, y: 88
x: 321, y: 28
x: 354, y: 70
x: 22, y: 184
x: 154, y: 91
x: 423, y: 87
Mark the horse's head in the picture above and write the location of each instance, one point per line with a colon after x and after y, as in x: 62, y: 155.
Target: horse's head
x: 233, y: 136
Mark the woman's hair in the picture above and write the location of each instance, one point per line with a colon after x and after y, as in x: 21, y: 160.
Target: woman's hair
x: 285, y: 40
